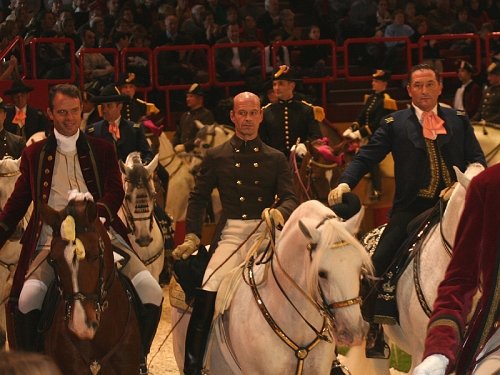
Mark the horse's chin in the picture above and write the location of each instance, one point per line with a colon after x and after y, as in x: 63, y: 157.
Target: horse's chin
x: 83, y: 333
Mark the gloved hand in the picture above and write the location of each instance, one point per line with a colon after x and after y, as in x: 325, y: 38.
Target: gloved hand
x: 190, y: 245
x: 434, y: 364
x: 274, y: 215
x: 300, y: 149
x: 335, y: 195
x: 353, y: 135
x: 180, y: 148
x: 347, y: 133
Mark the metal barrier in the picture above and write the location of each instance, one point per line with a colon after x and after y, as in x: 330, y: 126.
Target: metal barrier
x: 487, y: 47
x: 34, y: 61
x: 102, y: 51
x: 321, y: 80
x: 17, y: 42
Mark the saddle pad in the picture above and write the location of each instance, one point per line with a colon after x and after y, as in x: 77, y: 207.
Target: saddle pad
x: 176, y: 296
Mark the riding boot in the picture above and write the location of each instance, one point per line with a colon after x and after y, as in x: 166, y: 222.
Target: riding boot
x: 198, y: 330
x: 27, y: 337
x: 376, y: 346
x: 148, y: 323
x: 386, y: 308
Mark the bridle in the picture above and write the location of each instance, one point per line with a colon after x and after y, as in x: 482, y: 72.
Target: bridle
x: 140, y: 206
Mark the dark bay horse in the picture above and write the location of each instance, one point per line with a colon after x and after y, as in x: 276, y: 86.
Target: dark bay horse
x: 94, y: 329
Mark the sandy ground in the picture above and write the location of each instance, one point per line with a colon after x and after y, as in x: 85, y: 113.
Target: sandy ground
x: 164, y: 362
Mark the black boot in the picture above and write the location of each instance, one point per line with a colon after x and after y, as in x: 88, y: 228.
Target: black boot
x: 198, y: 330
x: 375, y: 343
x: 27, y: 338
x: 148, y: 323
x: 386, y: 308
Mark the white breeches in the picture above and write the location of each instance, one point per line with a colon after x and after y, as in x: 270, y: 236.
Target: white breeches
x: 491, y: 364
x: 233, y: 234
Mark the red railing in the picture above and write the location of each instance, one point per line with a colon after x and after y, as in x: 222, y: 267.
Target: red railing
x: 102, y: 51
x: 332, y: 67
x: 16, y: 42
x: 34, y: 66
x: 487, y: 47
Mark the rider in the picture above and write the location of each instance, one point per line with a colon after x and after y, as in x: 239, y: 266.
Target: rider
x: 426, y: 141
x: 12, y: 144
x: 67, y: 160
x: 453, y: 342
x: 489, y: 110
x: 249, y: 175
x: 377, y: 106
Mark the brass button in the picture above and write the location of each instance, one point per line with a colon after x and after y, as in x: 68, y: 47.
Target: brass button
x: 497, y: 324
x: 244, y: 216
x: 237, y: 165
x: 260, y: 199
x: 256, y: 182
x: 256, y: 165
x: 239, y: 182
x: 50, y: 157
x: 237, y: 150
x: 45, y: 184
x: 47, y: 171
x: 44, y: 196
x: 256, y: 149
x: 242, y: 199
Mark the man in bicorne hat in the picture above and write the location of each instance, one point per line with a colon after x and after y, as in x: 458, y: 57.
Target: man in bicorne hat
x: 490, y: 107
x: 90, y: 113
x: 377, y: 105
x: 185, y: 133
x: 135, y: 109
x: 23, y: 119
x: 10, y: 144
x: 468, y: 95
x: 290, y: 118
x: 126, y: 135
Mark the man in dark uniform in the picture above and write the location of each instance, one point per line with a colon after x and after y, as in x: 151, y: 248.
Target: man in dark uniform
x: 124, y: 134
x: 10, y: 144
x: 468, y: 95
x: 90, y: 114
x: 377, y: 106
x: 249, y: 175
x: 426, y: 141
x: 185, y: 133
x: 490, y: 107
x: 289, y: 119
x: 22, y: 119
x: 135, y: 109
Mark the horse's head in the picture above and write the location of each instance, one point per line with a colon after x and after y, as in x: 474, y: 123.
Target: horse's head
x: 209, y: 136
x: 337, y: 262
x: 139, y: 196
x: 83, y: 262
x: 9, y: 172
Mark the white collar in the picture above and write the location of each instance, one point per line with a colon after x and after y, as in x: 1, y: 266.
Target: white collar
x: 66, y: 144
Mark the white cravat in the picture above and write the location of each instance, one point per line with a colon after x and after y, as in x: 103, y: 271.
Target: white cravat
x: 66, y: 144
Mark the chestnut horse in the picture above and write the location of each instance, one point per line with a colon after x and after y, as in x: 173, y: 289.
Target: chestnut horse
x: 94, y: 329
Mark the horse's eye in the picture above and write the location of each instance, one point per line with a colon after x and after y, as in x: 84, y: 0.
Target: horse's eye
x: 323, y: 274
x: 205, y: 145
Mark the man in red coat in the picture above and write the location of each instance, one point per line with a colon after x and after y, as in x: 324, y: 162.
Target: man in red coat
x: 67, y: 160
x: 450, y: 345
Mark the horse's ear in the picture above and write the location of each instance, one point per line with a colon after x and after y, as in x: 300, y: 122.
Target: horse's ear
x: 352, y: 225
x: 199, y: 124
x: 49, y: 215
x: 462, y: 178
x: 91, y: 210
x: 308, y: 227
x: 123, y: 167
x: 151, y: 167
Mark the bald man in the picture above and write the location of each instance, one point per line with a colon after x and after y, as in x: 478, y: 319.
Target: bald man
x: 249, y: 175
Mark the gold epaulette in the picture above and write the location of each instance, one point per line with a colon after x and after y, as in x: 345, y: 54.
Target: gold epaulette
x: 318, y: 111
x: 390, y: 103
x: 366, y: 98
x: 389, y: 119
x: 461, y: 113
x: 136, y: 125
x: 267, y: 105
x: 90, y: 129
x: 151, y: 108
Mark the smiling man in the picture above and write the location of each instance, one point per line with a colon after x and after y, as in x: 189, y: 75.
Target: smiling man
x: 426, y: 141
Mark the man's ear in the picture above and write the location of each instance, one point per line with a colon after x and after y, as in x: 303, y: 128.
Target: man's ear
x: 50, y: 114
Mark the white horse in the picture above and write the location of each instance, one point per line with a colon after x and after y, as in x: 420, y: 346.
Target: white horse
x: 286, y: 314
x: 9, y: 254
x: 137, y: 212
x: 488, y: 135
x: 428, y: 267
x: 181, y: 180
x: 210, y: 136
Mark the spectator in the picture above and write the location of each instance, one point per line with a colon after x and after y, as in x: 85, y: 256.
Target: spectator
x: 98, y: 27
x: 81, y: 14
x: 410, y: 13
x: 193, y: 27
x: 360, y: 13
x: 90, y: 114
x: 462, y: 25
x: 394, y: 57
x: 288, y: 29
x: 477, y: 15
x: 55, y: 6
x: 282, y: 56
x: 8, y: 68
x: 213, y: 31
x: 382, y: 18
x: 53, y: 60
x: 270, y: 19
x: 218, y: 10
x: 250, y: 8
x: 431, y: 47
x: 441, y: 18
x: 66, y: 26
x: 113, y: 8
x: 231, y: 17
x: 468, y: 95
x: 95, y: 65
x: 314, y: 58
x: 23, y: 363
x: 494, y: 10
x: 250, y: 31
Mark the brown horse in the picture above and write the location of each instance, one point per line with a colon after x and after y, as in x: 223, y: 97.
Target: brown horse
x: 94, y: 329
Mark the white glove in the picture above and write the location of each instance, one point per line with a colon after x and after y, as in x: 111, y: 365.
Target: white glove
x: 179, y: 148
x: 190, y: 245
x: 347, y: 133
x: 354, y: 135
x: 273, y: 214
x: 300, y: 149
x: 335, y: 195
x: 434, y: 364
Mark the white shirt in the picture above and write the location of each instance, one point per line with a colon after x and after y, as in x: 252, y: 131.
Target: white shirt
x: 458, y: 103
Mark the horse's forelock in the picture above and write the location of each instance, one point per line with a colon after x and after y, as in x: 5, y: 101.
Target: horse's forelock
x: 133, y: 159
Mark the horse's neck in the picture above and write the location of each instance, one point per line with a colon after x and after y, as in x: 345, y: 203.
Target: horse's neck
x: 452, y: 215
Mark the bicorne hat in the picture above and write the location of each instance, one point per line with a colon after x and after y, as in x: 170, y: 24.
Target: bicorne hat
x: 196, y: 89
x: 285, y: 73
x: 110, y: 94
x: 382, y: 75
x: 17, y: 87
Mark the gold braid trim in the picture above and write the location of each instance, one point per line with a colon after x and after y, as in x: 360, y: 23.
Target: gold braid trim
x: 446, y: 323
x: 437, y: 168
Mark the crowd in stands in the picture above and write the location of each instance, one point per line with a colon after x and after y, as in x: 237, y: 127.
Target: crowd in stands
x: 118, y: 24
